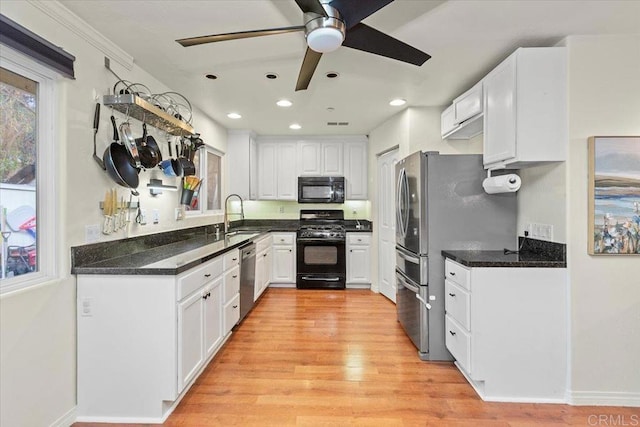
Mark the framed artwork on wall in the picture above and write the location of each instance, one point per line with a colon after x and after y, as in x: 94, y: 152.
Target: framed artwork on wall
x: 614, y: 195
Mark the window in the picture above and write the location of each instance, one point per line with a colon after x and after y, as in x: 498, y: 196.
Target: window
x: 207, y: 199
x: 27, y: 215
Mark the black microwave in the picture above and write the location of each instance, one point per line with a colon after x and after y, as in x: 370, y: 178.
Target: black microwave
x: 321, y: 189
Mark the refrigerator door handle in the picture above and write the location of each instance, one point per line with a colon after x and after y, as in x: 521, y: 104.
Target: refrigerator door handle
x: 426, y: 304
x: 400, y: 226
x: 411, y: 259
x: 413, y: 288
x: 405, y: 194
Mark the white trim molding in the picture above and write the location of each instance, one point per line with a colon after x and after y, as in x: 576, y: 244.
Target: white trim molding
x: 603, y: 398
x: 66, y: 420
x: 78, y: 26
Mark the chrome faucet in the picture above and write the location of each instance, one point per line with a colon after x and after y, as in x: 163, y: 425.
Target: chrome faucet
x: 227, y: 213
x: 358, y: 225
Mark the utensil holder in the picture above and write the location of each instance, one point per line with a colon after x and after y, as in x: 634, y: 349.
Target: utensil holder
x: 186, y: 196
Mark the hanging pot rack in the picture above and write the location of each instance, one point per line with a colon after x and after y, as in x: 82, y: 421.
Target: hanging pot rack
x: 133, y: 104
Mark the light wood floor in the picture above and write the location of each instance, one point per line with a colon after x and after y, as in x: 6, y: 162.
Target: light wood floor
x: 339, y: 358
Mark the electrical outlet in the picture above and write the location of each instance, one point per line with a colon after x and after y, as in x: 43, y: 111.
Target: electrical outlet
x: 355, y: 212
x: 281, y: 209
x: 86, y: 308
x: 156, y: 216
x: 179, y: 215
x: 91, y: 233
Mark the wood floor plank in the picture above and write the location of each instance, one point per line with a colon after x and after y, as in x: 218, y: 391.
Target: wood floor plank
x: 340, y: 358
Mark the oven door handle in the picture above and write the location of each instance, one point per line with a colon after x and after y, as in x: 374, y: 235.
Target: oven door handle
x: 321, y: 240
x: 321, y: 279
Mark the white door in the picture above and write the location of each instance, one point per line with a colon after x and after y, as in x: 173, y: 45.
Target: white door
x: 387, y: 224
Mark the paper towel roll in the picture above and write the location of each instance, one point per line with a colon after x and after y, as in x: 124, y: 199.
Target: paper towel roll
x: 502, y: 184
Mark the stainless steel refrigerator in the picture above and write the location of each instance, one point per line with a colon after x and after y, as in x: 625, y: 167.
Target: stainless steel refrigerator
x: 440, y: 204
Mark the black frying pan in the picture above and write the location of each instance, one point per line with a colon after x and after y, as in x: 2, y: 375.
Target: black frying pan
x: 148, y: 150
x: 118, y: 162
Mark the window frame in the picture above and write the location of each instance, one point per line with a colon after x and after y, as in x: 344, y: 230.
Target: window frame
x: 49, y: 242
x: 202, y: 191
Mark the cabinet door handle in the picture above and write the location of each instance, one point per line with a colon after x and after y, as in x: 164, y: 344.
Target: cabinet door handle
x: 235, y: 306
x: 350, y: 250
x: 207, y: 275
x: 234, y: 259
x: 453, y: 334
x: 234, y: 276
x: 282, y: 240
x: 205, y: 296
x: 290, y: 250
x: 452, y: 295
x: 359, y: 240
x: 452, y: 273
x: 264, y: 255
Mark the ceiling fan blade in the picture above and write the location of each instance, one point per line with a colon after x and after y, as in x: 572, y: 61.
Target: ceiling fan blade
x: 311, y: 6
x: 363, y: 37
x: 355, y: 11
x: 309, y: 64
x: 193, y: 41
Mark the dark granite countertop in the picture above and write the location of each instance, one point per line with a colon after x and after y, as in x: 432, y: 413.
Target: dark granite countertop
x: 174, y: 252
x: 532, y: 253
x: 169, y: 259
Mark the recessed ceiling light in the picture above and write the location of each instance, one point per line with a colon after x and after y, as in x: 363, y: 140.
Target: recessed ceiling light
x: 234, y: 116
x: 284, y: 103
x: 295, y: 126
x: 271, y: 76
x: 332, y: 75
x: 211, y: 76
x: 397, y: 102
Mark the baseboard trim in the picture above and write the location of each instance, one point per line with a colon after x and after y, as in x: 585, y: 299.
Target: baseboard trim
x: 66, y: 419
x: 603, y: 398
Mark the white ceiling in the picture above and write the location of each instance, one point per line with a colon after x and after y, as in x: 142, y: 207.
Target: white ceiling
x: 466, y: 39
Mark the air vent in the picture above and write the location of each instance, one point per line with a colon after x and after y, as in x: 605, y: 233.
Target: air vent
x: 337, y: 123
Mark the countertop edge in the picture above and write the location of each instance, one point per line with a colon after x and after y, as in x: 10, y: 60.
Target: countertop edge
x: 503, y: 263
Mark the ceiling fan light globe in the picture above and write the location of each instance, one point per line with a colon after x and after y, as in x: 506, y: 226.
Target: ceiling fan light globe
x: 325, y: 39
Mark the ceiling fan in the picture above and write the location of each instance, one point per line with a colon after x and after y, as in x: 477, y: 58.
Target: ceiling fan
x: 327, y: 26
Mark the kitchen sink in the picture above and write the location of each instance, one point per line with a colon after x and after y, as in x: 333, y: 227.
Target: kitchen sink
x: 241, y: 233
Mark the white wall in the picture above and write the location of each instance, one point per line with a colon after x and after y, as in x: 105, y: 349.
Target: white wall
x: 37, y: 326
x: 604, y: 99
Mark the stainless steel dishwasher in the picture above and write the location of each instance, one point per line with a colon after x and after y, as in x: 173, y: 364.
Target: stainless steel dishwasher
x: 247, y: 278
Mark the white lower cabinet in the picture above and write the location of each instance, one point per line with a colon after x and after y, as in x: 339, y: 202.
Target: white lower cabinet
x: 231, y: 290
x: 359, y: 258
x: 142, y: 339
x: 263, y: 266
x: 283, y: 258
x: 507, y: 330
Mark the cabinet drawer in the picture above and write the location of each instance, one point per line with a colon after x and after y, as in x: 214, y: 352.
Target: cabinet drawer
x: 231, y: 283
x: 283, y: 239
x: 458, y: 343
x: 359, y: 238
x: 197, y: 277
x: 231, y: 259
x: 457, y: 303
x: 457, y: 274
x: 231, y: 313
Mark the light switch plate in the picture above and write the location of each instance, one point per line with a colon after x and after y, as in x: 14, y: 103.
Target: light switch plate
x: 91, y: 233
x: 156, y: 216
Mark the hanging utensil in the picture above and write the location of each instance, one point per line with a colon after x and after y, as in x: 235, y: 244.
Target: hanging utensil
x: 96, y: 123
x: 130, y: 143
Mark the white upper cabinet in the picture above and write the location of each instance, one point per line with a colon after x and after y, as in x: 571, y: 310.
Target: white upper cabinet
x: 241, y: 164
x: 332, y: 159
x: 355, y: 161
x: 319, y: 158
x: 309, y: 158
x: 463, y: 118
x: 277, y: 177
x: 525, y: 109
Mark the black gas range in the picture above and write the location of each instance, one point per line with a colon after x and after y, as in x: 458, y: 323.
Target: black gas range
x: 320, y: 243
